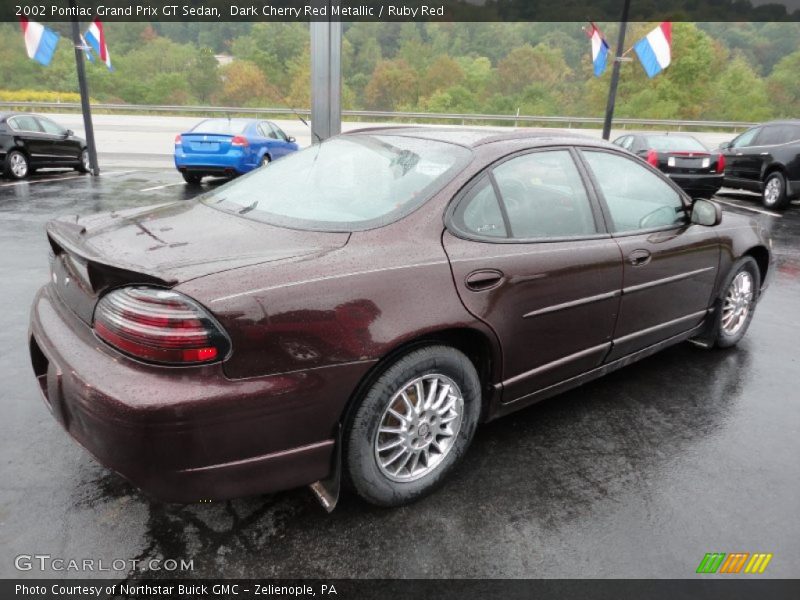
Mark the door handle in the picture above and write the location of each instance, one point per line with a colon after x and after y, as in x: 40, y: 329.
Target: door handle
x: 484, y: 279
x: 740, y: 154
x: 639, y: 258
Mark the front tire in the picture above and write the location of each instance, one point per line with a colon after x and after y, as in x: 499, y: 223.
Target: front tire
x: 736, y: 304
x: 85, y: 165
x: 412, y: 426
x: 17, y: 165
x: 774, y: 194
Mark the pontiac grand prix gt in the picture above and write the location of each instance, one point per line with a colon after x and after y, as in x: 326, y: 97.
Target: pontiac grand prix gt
x: 361, y: 305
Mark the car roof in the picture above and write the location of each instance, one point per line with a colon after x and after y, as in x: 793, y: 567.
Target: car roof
x: 473, y: 137
x: 8, y: 115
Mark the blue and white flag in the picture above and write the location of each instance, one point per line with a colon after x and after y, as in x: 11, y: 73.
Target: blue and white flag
x: 655, y: 49
x: 599, y: 50
x: 97, y: 40
x: 40, y: 41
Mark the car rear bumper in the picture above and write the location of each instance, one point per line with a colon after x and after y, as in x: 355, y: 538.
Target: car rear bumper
x: 234, y: 162
x: 698, y: 182
x: 187, y: 434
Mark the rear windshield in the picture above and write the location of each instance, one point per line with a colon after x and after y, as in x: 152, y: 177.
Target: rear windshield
x: 221, y: 126
x: 675, y: 143
x: 347, y: 183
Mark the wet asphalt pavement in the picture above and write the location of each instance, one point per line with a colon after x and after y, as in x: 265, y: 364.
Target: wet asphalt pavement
x: 638, y: 474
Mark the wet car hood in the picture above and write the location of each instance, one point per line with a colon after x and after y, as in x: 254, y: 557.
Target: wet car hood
x: 180, y: 241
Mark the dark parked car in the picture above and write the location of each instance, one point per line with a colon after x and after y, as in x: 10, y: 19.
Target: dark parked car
x: 766, y: 159
x: 29, y: 142
x: 429, y: 279
x: 684, y: 159
x: 229, y: 147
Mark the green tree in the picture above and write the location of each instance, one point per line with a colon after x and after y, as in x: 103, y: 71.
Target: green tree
x: 526, y: 65
x: 394, y: 83
x: 739, y: 94
x: 442, y: 74
x: 784, y: 86
x: 244, y: 84
x: 203, y: 75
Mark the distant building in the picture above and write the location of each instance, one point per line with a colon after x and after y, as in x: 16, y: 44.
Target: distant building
x: 223, y: 59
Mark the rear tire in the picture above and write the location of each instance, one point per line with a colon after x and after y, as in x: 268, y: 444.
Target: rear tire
x: 265, y: 161
x: 192, y: 179
x: 736, y: 303
x: 16, y: 165
x: 774, y: 195
x: 429, y: 431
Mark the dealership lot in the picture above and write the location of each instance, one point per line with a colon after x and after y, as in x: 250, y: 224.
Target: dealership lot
x: 638, y: 474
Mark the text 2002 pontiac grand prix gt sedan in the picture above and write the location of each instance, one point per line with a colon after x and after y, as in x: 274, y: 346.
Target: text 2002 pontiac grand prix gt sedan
x: 360, y: 306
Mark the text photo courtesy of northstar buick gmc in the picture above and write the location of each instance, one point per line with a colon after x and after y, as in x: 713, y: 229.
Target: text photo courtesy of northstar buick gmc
x: 362, y: 305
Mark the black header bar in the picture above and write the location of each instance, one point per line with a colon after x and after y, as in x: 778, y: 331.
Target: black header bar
x: 401, y: 10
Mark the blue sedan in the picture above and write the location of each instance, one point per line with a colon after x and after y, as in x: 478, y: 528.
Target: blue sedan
x: 229, y: 147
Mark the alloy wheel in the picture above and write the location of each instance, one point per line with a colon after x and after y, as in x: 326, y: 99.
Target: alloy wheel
x: 737, y: 304
x: 419, y: 427
x: 772, y: 191
x: 19, y: 165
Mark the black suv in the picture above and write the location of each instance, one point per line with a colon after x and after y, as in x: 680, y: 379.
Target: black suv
x: 766, y: 159
x: 29, y: 142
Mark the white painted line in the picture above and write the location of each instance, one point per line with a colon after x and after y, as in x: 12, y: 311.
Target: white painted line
x: 758, y: 210
x: 108, y: 173
x: 31, y: 182
x: 161, y: 187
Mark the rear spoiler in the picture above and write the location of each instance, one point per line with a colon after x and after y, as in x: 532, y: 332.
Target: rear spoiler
x: 66, y: 237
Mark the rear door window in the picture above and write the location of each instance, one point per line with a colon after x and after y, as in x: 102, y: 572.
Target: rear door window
x: 25, y: 123
x: 479, y: 213
x: 793, y: 133
x: 772, y: 136
x: 544, y: 196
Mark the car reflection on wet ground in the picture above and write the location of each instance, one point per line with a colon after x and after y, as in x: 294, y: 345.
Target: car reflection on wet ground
x: 638, y: 474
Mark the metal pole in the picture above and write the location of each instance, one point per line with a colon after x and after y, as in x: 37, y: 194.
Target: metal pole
x: 85, y: 107
x: 326, y: 76
x: 612, y: 92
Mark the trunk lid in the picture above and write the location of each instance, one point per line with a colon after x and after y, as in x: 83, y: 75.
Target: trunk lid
x: 687, y: 162
x: 165, y: 245
x: 205, y: 143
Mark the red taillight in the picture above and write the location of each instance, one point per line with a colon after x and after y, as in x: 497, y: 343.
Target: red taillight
x: 178, y: 139
x: 721, y: 163
x: 159, y: 325
x: 652, y: 157
x: 240, y: 141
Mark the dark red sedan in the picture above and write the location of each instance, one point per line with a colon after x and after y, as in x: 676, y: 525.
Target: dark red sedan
x: 360, y: 306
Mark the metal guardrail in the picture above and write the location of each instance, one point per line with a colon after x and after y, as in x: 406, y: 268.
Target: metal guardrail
x: 464, y: 118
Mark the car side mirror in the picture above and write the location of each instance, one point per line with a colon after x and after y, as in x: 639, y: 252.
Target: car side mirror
x: 706, y: 212
x: 291, y: 139
x: 68, y: 133
x: 725, y: 145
